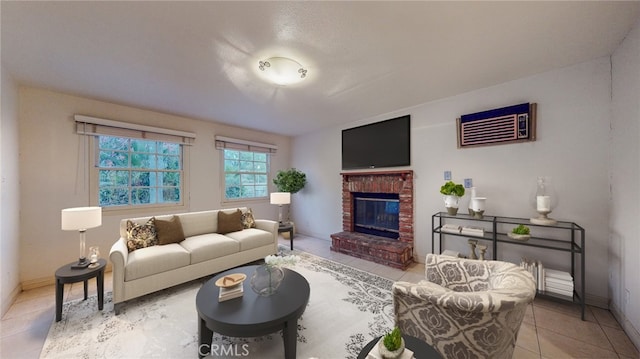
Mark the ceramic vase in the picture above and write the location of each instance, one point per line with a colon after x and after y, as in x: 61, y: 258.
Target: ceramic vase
x: 388, y: 354
x: 451, y: 204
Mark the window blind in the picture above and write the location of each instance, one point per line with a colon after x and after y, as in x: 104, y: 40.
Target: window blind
x: 243, y: 145
x: 92, y: 126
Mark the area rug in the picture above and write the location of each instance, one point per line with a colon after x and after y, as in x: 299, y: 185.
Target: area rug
x: 347, y: 308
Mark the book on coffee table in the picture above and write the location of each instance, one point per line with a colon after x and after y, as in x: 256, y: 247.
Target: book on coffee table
x: 230, y: 292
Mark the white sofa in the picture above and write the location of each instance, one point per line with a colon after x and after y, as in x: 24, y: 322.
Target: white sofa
x: 203, y: 252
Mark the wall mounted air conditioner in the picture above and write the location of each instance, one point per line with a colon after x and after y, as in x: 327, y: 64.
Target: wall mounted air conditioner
x: 499, y: 126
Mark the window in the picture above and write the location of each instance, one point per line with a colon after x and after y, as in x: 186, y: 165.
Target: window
x: 134, y: 172
x: 245, y: 174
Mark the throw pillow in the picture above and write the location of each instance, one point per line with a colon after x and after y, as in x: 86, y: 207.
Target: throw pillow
x: 169, y: 231
x: 231, y: 222
x: 141, y: 235
x: 247, y: 219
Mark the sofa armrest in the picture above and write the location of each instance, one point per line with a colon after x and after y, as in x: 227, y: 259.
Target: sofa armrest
x: 269, y: 226
x: 119, y: 255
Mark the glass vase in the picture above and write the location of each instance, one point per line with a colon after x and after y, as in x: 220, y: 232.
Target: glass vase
x: 266, y: 279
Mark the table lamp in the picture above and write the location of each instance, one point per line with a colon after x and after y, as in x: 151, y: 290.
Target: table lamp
x: 280, y: 198
x: 80, y: 219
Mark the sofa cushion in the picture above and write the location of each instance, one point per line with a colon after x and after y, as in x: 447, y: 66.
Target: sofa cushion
x: 157, y: 259
x: 252, y: 238
x: 141, y: 235
x: 247, y: 219
x: 209, y: 246
x: 229, y: 222
x: 169, y: 231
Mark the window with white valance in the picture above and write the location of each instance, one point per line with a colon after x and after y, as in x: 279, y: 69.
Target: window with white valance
x: 133, y: 166
x: 245, y: 165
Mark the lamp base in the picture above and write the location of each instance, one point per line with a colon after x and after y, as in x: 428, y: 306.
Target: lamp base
x: 83, y: 263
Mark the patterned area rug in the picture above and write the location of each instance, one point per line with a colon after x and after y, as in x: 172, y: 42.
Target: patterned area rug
x: 347, y: 308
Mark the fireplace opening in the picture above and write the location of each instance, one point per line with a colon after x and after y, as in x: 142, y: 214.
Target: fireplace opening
x: 377, y: 214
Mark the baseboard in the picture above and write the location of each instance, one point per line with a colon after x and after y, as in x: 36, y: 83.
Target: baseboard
x: 38, y: 283
x: 597, y: 301
x: 45, y: 281
x: 8, y: 302
x: 626, y: 325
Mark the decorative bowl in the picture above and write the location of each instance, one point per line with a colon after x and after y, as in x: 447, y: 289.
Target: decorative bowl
x: 230, y: 280
x: 519, y: 237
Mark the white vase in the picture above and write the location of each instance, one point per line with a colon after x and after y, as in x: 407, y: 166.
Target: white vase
x: 451, y: 203
x: 388, y: 354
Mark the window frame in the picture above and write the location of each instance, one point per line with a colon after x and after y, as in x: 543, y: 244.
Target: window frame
x: 223, y: 179
x: 94, y: 180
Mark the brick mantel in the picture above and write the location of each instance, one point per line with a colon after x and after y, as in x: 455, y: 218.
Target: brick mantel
x: 398, y: 182
x: 398, y: 253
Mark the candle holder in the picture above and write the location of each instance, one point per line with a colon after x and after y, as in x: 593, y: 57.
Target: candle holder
x: 544, y: 200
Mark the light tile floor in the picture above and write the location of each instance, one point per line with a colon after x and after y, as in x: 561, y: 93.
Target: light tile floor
x: 550, y: 329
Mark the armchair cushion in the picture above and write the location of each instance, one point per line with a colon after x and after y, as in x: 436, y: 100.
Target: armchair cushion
x: 466, y: 308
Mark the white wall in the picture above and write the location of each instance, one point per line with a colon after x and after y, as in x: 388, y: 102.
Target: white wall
x: 52, y: 175
x: 624, y: 246
x: 9, y: 194
x: 572, y: 146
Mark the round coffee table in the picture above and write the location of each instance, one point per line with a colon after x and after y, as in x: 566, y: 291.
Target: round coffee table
x: 420, y: 349
x: 252, y: 315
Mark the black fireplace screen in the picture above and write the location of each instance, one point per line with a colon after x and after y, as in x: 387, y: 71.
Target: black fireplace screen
x: 377, y: 214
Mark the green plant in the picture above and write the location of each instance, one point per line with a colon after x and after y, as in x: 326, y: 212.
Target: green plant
x: 393, y: 340
x: 291, y: 180
x: 452, y: 189
x: 521, y: 229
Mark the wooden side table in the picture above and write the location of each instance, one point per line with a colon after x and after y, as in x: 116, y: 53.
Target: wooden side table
x: 287, y: 227
x: 66, y: 274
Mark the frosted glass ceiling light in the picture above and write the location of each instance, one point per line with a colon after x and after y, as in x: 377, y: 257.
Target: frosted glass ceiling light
x: 282, y: 70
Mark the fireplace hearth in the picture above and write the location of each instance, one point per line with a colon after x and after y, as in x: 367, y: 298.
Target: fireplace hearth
x: 377, y: 217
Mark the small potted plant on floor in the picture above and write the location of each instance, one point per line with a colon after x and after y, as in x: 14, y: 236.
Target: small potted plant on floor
x: 392, y: 345
x: 520, y: 233
x: 452, y: 193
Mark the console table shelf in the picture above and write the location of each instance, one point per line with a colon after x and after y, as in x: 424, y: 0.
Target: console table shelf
x: 563, y: 236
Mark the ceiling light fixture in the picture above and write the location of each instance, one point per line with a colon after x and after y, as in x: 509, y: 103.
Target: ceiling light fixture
x: 282, y: 70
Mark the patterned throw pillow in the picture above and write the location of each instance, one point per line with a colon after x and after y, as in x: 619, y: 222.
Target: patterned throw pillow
x: 141, y: 235
x: 247, y: 219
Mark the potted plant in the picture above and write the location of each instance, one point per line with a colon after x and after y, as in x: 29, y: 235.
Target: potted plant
x: 391, y: 346
x: 520, y: 233
x: 291, y: 180
x: 452, y: 193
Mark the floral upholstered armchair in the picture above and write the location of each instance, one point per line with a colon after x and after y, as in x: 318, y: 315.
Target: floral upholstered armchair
x: 466, y: 308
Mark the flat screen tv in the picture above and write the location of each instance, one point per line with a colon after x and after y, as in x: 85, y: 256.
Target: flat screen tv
x: 380, y: 144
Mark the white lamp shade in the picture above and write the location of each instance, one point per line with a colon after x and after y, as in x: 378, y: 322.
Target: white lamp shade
x: 280, y: 197
x: 81, y: 218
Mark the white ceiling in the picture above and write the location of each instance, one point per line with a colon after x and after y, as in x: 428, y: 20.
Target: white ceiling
x: 199, y: 59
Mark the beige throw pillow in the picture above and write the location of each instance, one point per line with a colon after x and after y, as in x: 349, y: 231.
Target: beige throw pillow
x: 169, y: 231
x: 231, y: 222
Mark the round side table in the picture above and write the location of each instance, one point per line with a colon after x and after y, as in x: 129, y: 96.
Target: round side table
x: 66, y: 274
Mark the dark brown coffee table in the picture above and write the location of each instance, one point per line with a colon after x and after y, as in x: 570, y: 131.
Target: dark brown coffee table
x: 252, y: 315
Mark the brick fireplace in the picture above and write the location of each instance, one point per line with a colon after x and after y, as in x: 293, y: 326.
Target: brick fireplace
x: 397, y: 253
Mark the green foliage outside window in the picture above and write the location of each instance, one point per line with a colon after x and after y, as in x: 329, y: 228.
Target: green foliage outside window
x: 245, y: 174
x: 138, y: 172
